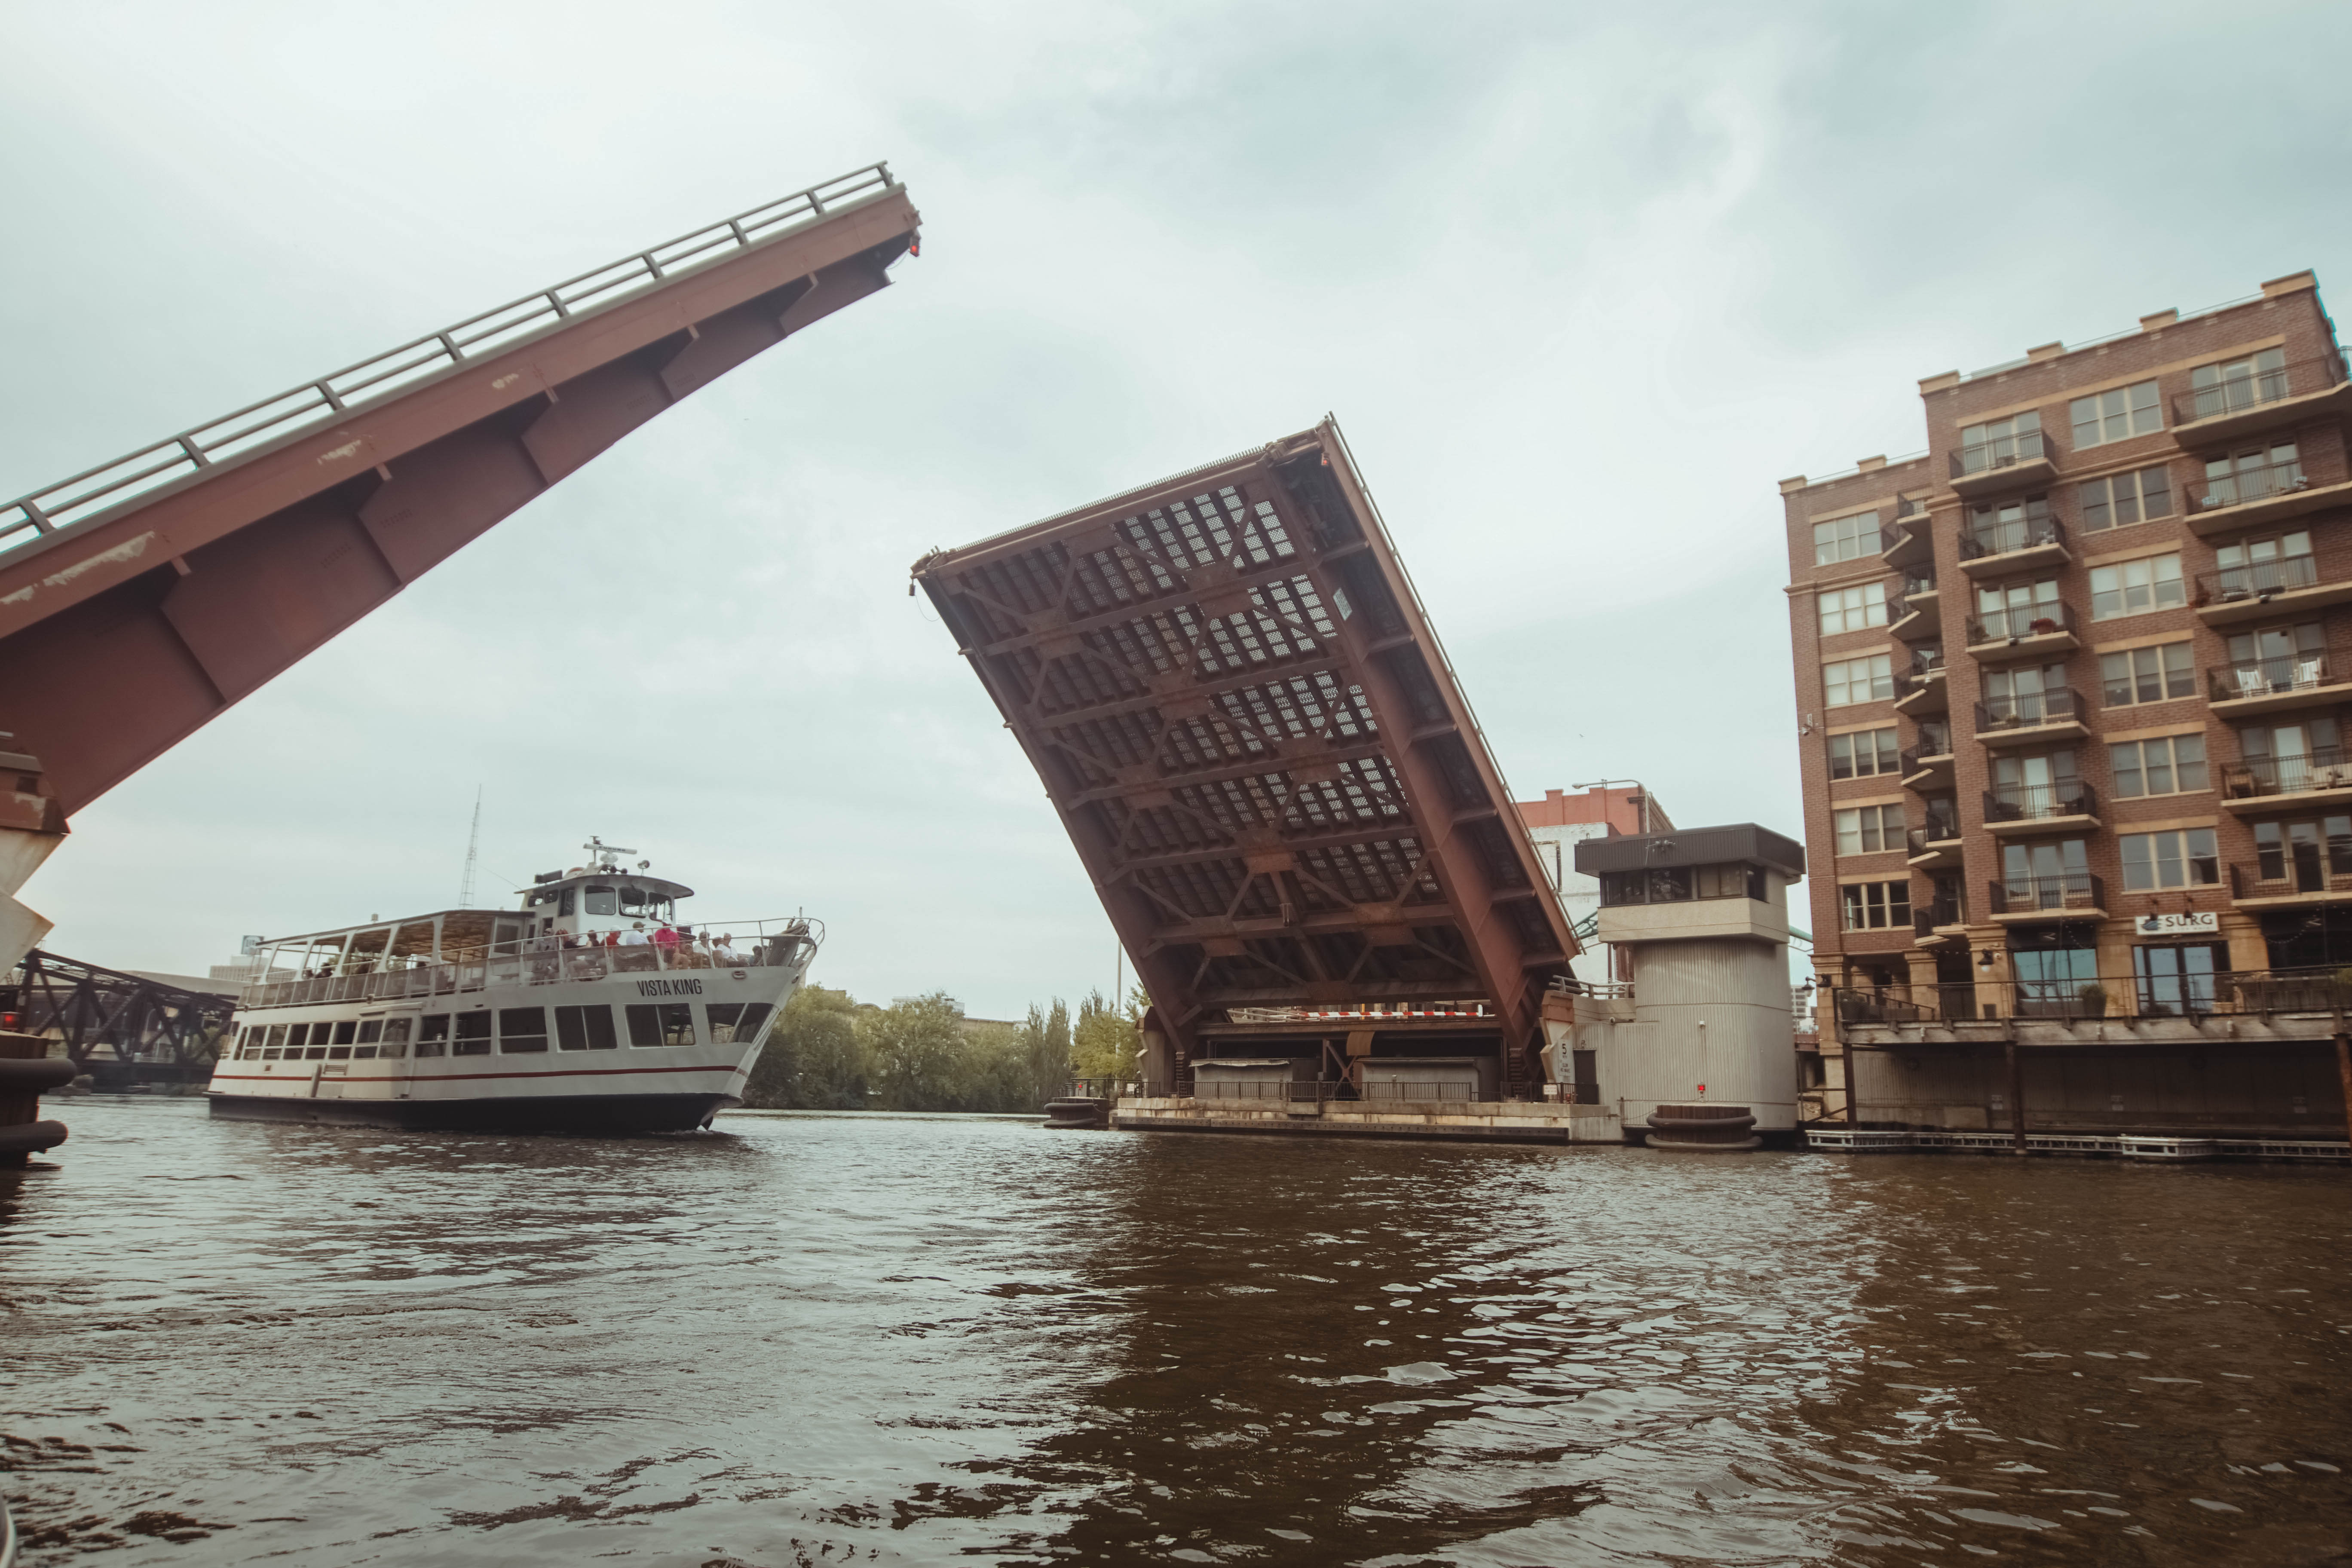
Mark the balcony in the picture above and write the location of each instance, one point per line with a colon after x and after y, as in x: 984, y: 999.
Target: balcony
x: 2266, y: 400
x: 1911, y: 610
x: 2263, y: 588
x: 1946, y: 920
x: 2018, y: 545
x: 2257, y: 497
x: 2052, y: 715
x: 2013, y: 810
x: 1931, y: 759
x: 1929, y: 691
x: 2271, y: 685
x: 2002, y: 636
x: 1936, y: 845
x: 2069, y: 895
x: 2080, y: 1000
x: 2260, y: 784
x: 1906, y: 543
x: 2308, y: 876
x: 2011, y: 461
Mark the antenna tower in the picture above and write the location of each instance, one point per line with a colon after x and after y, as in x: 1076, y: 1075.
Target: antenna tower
x: 473, y: 844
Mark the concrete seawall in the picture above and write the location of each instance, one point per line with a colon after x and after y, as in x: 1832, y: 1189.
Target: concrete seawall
x: 1491, y: 1121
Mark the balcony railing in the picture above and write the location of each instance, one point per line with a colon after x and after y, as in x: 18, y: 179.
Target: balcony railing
x: 1940, y: 829
x: 2009, y: 537
x: 2268, y: 677
x: 2254, y: 483
x: 1934, y: 740
x: 1925, y: 754
x: 2024, y: 710
x: 2221, y: 993
x: 1901, y: 543
x: 2002, y: 452
x: 1915, y: 584
x: 2023, y: 621
x: 1926, y: 922
x: 2258, y: 580
x: 1900, y: 608
x: 2253, y: 388
x: 2055, y: 894
x: 2038, y: 803
x: 1927, y: 662
x: 2301, y: 868
x: 2323, y: 768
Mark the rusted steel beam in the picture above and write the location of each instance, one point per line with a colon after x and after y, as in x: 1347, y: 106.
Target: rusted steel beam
x: 1237, y: 705
x: 122, y: 632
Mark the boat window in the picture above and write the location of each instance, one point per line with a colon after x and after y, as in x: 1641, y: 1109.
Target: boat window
x: 522, y: 1029
x: 601, y: 901
x: 584, y: 1028
x: 343, y: 1031
x: 432, y: 1036
x: 662, y: 1024
x: 312, y: 1053
x: 632, y: 899
x: 362, y: 1053
x: 277, y: 1036
x: 473, y: 1037
x: 395, y: 1037
x: 736, y: 1023
x: 297, y: 1033
x: 340, y: 1054
x: 570, y: 901
x: 370, y: 1031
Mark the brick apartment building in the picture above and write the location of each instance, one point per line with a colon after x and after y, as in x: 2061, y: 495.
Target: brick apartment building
x: 2072, y: 684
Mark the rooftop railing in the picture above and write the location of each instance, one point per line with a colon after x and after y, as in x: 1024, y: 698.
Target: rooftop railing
x: 543, y: 961
x: 2250, y: 389
x: 333, y: 395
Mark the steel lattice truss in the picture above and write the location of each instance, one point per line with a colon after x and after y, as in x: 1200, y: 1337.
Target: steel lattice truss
x: 1233, y: 696
x: 132, y: 1019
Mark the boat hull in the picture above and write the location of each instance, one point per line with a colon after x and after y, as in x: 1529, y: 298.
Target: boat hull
x: 604, y: 1114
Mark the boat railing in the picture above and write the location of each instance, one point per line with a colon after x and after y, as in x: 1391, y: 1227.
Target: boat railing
x: 545, y: 961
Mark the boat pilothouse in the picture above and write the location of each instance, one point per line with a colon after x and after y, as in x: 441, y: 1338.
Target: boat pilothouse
x: 590, y: 1007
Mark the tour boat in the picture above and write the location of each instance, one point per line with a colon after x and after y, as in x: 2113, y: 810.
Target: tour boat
x: 589, y: 1008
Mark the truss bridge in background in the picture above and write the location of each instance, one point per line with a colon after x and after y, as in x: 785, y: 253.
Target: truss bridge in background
x: 1237, y: 704
x: 120, y: 1028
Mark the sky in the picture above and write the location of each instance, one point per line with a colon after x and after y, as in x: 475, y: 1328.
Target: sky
x: 1581, y: 282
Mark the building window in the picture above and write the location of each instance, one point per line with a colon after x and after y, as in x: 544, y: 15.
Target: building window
x: 2046, y: 876
x: 1999, y: 527
x: 1867, y: 829
x: 2175, y: 980
x: 2113, y: 416
x: 2017, y: 610
x: 2027, y: 696
x: 1852, y: 680
x: 1876, y: 906
x: 2314, y: 851
x: 1863, y: 754
x: 2123, y: 499
x: 2171, y: 764
x: 2252, y: 474
x: 2156, y: 674
x: 2182, y: 859
x: 1854, y: 609
x: 1845, y: 539
x: 2135, y: 587
x: 1680, y: 884
x: 2001, y: 442
x: 2246, y: 383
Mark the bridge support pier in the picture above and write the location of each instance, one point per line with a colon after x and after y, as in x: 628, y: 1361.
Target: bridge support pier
x: 26, y: 1070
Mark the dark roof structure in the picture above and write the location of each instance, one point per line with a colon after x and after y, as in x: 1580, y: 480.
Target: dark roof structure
x: 1742, y: 842
x: 1237, y: 704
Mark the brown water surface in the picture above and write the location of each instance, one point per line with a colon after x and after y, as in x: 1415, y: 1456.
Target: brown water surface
x: 825, y: 1339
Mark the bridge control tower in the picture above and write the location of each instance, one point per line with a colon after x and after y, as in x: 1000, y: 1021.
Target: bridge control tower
x: 1703, y: 1022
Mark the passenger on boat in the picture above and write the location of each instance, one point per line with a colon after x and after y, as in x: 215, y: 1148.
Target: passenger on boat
x: 666, y: 938
x: 723, y: 954
x: 634, y: 937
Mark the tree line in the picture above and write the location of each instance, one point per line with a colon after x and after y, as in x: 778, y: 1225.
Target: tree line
x: 829, y: 1051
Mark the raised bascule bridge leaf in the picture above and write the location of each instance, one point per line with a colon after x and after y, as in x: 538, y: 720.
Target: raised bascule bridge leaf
x: 1237, y: 703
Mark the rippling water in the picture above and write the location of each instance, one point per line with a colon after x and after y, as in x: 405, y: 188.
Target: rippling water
x: 811, y: 1338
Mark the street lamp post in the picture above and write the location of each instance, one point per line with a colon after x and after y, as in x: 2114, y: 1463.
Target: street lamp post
x: 1643, y: 797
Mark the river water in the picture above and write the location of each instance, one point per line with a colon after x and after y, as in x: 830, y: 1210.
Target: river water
x: 811, y: 1339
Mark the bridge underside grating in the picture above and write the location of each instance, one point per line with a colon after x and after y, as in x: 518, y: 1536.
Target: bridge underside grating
x: 1235, y: 701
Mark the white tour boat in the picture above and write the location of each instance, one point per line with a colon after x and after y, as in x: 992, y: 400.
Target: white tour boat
x: 589, y: 1008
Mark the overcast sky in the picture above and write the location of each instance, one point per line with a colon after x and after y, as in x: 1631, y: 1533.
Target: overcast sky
x: 1581, y: 281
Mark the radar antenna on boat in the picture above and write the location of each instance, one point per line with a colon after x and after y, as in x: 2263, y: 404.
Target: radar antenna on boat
x: 601, y: 855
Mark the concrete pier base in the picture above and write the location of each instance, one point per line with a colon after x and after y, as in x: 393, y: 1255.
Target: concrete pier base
x: 1489, y: 1121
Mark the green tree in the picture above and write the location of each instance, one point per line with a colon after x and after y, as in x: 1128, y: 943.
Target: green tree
x: 1044, y: 1040
x: 1105, y: 1044
x: 812, y: 1060
x: 916, y: 1052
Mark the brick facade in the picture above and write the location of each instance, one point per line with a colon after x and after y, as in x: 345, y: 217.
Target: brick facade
x: 1930, y: 500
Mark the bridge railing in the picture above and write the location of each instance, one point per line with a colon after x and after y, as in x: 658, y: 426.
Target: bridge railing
x: 329, y: 396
